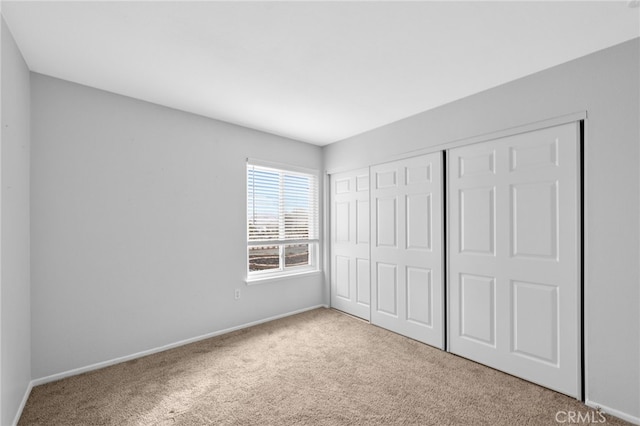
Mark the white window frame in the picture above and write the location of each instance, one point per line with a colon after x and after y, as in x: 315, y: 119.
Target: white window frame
x: 313, y: 240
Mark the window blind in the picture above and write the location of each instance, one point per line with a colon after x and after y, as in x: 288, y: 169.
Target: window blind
x: 282, y: 206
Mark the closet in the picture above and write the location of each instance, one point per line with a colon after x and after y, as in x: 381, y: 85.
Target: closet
x: 475, y: 249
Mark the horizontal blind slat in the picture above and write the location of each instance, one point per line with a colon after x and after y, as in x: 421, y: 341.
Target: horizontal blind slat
x: 281, y: 204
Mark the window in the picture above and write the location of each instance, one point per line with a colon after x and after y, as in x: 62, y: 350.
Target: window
x: 282, y: 222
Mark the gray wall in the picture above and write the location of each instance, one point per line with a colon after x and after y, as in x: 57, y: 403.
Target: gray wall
x: 15, y: 338
x: 138, y: 226
x: 605, y: 84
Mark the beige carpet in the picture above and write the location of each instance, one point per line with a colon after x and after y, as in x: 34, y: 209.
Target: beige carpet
x: 320, y: 367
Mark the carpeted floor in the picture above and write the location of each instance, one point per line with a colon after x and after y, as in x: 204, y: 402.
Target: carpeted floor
x: 320, y: 367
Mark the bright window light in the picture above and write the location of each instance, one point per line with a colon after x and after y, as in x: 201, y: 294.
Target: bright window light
x: 282, y: 222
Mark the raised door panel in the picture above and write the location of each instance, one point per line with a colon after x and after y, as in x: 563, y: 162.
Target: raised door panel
x: 477, y: 308
x: 535, y: 321
x: 343, y: 277
x: 342, y: 185
x: 534, y: 219
x: 473, y: 163
x: 363, y: 281
x: 386, y: 222
x: 533, y: 154
x: 476, y: 225
x: 387, y: 289
x: 386, y: 178
x: 362, y: 221
x: 342, y: 222
x: 419, y: 296
x: 418, y: 220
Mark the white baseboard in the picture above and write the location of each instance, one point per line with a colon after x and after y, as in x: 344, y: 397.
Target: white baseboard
x: 617, y: 413
x: 97, y: 366
x: 23, y: 403
x: 125, y: 358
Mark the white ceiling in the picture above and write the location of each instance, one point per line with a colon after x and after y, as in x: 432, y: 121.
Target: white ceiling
x: 317, y: 72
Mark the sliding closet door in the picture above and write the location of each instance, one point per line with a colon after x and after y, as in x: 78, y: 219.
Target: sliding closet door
x: 514, y: 283
x: 350, y: 284
x: 406, y: 248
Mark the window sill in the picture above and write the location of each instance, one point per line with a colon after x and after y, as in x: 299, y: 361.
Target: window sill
x: 281, y: 277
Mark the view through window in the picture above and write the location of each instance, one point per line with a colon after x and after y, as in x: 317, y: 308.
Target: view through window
x: 282, y: 221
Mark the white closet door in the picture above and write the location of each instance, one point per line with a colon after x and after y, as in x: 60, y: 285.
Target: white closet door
x: 406, y: 248
x: 514, y: 284
x: 350, y: 283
